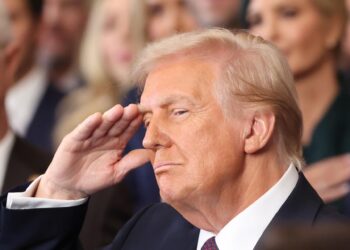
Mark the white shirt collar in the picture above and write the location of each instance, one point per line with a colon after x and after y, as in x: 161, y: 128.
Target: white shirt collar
x: 244, y: 230
x: 23, y: 99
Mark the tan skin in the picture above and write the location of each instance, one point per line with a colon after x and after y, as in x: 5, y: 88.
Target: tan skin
x: 307, y: 38
x: 216, y: 13
x: 10, y: 58
x: 63, y: 26
x: 116, y: 43
x: 168, y: 17
x: 184, y: 143
x: 24, y: 32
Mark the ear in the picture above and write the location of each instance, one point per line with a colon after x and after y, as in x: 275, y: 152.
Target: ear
x: 259, y: 131
x: 334, y: 32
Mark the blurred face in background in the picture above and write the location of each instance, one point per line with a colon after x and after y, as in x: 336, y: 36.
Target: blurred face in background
x: 297, y: 28
x: 216, y: 13
x: 63, y: 25
x: 168, y: 17
x: 116, y: 44
x: 24, y: 30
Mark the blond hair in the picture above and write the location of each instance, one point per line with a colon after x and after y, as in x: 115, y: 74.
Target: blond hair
x: 334, y: 9
x: 252, y: 71
x: 101, y: 91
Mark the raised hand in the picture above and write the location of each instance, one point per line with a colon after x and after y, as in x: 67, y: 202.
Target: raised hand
x: 90, y: 159
x: 330, y: 177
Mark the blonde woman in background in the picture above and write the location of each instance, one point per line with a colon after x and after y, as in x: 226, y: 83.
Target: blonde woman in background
x: 309, y: 33
x: 117, y: 30
x: 108, y: 50
x: 114, y: 34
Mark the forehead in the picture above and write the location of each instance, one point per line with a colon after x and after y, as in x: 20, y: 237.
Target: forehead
x: 276, y: 4
x: 189, y: 78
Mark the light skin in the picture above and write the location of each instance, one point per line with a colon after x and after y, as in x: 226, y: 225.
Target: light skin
x: 24, y: 32
x: 115, y: 46
x: 216, y: 13
x: 63, y: 26
x: 10, y: 58
x: 307, y: 38
x: 168, y: 17
x: 208, y: 166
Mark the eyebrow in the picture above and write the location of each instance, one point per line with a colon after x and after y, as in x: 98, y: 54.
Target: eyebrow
x: 166, y: 102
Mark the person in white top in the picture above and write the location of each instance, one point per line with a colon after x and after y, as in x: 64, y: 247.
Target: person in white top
x: 223, y: 132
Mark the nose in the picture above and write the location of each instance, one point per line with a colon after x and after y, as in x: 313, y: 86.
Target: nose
x: 270, y: 31
x: 155, y: 137
x: 51, y: 13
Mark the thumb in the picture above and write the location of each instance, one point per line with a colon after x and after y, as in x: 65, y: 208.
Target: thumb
x: 132, y: 160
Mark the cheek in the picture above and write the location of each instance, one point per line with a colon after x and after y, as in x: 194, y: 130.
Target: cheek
x: 305, y: 49
x: 155, y: 29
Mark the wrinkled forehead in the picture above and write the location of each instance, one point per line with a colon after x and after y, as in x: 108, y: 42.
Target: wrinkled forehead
x: 188, y: 77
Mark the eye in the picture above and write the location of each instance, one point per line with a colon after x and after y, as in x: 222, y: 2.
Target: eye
x: 179, y: 112
x: 289, y: 12
x: 146, y: 123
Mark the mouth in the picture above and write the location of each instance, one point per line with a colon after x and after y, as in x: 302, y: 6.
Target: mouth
x: 164, y: 166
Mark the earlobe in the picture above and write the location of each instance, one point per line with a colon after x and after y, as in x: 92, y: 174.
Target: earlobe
x: 262, y: 127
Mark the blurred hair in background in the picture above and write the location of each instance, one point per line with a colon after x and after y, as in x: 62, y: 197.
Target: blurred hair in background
x: 110, y: 44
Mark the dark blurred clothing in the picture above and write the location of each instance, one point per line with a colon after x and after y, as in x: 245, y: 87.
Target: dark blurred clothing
x: 25, y: 163
x: 108, y: 210
x: 141, y: 182
x: 331, y: 136
x: 40, y: 129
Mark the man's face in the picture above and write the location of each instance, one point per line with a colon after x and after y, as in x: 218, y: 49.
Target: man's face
x: 24, y: 31
x: 63, y: 25
x: 196, y: 151
x: 216, y: 13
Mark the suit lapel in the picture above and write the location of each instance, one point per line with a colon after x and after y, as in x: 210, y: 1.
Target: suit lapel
x: 301, y: 206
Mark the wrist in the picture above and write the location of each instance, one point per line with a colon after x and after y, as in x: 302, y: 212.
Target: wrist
x: 49, y: 190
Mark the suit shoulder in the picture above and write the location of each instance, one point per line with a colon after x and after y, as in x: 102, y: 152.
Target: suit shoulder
x: 161, y: 221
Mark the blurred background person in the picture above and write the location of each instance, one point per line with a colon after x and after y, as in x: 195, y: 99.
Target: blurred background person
x: 25, y: 25
x: 114, y: 34
x: 32, y: 104
x: 216, y: 13
x: 309, y: 33
x: 19, y: 161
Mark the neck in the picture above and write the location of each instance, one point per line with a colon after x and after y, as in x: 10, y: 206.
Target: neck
x: 316, y: 91
x: 212, y: 213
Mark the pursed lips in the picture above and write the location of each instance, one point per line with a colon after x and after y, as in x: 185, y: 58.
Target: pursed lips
x: 163, y: 166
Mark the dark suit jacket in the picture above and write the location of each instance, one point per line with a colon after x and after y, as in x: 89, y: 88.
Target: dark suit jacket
x: 157, y: 227
x: 26, y: 162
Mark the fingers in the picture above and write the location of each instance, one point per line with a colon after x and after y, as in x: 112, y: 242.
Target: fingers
x: 113, y: 122
x: 330, y: 177
x: 130, y: 113
x: 330, y: 172
x: 87, y: 127
x: 109, y: 118
x: 132, y: 160
x: 335, y: 193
